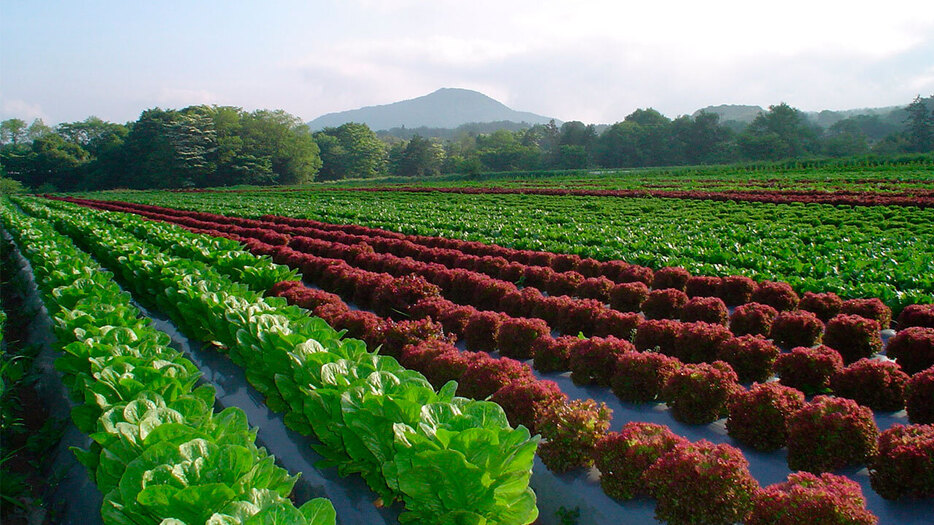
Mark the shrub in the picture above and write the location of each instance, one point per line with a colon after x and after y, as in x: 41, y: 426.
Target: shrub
x: 777, y: 295
x: 485, y: 375
x: 806, y: 499
x: 870, y: 309
x: 640, y: 376
x: 481, y: 330
x: 799, y: 328
x: 700, y: 342
x: 904, y: 465
x: 919, y: 397
x: 824, y: 305
x: 750, y: 356
x: 853, y: 336
x: 658, y: 335
x: 707, y: 309
x: 595, y: 288
x: 697, y: 394
x: 808, y: 369
x: 736, y: 289
x: 628, y: 297
x: 517, y: 335
x: 616, y: 324
x: 758, y: 416
x: 703, y: 286
x: 593, y: 361
x: 571, y: 430
x: 553, y: 355
x: 622, y: 457
x: 702, y: 483
x: 830, y: 433
x: 912, y: 348
x: 526, y: 401
x: 879, y: 385
x: 671, y: 277
x: 752, y: 318
x: 916, y: 315
x: 664, y: 304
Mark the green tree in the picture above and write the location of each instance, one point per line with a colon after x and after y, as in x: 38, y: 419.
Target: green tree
x: 285, y: 140
x: 920, y: 123
x: 12, y: 131
x: 701, y: 140
x: 420, y: 157
x: 350, y: 151
x: 845, y: 138
x: 55, y: 163
x: 37, y: 130
x: 503, y: 151
x: 780, y: 133
x: 170, y: 149
x: 618, y: 146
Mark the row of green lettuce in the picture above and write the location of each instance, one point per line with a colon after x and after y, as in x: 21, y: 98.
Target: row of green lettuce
x: 868, y: 178
x: 449, y: 459
x: 159, y: 453
x: 880, y: 251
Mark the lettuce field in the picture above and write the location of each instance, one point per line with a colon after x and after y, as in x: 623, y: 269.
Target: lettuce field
x: 693, y: 347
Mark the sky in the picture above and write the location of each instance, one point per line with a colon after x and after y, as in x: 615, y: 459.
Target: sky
x: 590, y: 60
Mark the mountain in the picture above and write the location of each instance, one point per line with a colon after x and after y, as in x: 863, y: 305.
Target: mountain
x: 445, y: 108
x: 734, y: 112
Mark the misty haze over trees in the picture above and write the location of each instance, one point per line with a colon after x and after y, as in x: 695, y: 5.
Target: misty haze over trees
x: 202, y: 146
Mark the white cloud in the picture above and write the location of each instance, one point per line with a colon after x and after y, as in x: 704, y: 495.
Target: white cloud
x: 24, y: 110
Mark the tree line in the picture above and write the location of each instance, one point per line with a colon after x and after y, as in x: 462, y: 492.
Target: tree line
x: 203, y: 146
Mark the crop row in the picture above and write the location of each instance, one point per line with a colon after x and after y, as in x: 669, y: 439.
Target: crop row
x: 916, y: 198
x: 624, y: 286
x: 642, y: 458
x: 701, y: 339
x: 137, y: 399
x: 697, y: 394
x: 372, y: 416
x: 882, y: 252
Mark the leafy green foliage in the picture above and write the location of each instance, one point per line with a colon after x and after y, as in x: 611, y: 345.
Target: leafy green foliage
x: 372, y: 416
x: 159, y: 453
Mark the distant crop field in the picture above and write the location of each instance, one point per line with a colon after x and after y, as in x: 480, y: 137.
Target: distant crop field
x: 737, y: 350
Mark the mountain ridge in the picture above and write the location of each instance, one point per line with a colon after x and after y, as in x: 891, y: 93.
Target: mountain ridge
x: 443, y: 108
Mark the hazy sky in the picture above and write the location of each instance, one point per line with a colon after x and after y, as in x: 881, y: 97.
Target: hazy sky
x: 595, y: 61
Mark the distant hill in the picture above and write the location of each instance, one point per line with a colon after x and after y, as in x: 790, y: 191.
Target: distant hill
x: 735, y: 114
x: 732, y: 112
x: 445, y: 108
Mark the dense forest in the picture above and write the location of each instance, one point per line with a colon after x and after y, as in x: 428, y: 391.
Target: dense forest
x: 202, y: 146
